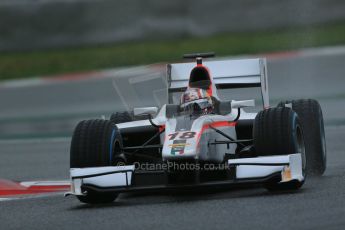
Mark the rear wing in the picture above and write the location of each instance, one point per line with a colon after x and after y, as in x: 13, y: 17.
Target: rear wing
x: 226, y: 74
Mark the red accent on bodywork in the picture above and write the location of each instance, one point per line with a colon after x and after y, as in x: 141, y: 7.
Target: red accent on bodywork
x: 161, y: 128
x: 209, y: 91
x: 216, y: 124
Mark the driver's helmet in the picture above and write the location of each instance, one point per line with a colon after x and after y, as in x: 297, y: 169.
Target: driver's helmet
x: 197, y: 100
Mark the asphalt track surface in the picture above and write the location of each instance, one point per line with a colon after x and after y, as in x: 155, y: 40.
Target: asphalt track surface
x: 320, y: 204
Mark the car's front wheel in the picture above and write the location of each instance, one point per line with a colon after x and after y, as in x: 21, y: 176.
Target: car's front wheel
x: 95, y: 143
x: 277, y: 131
x: 310, y: 115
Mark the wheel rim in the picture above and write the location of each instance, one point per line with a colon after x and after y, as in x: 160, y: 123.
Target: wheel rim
x: 301, y: 149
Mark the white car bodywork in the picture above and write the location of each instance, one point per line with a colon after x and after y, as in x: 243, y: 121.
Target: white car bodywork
x: 247, y: 169
x: 226, y: 74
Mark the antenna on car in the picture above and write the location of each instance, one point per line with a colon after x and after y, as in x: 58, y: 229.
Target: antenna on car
x: 199, y: 56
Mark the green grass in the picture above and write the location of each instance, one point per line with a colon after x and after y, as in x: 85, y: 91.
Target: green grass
x: 39, y: 63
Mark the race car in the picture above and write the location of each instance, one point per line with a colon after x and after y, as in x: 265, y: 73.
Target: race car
x: 198, y: 139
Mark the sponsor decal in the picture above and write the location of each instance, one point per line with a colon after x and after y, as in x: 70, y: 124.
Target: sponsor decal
x: 179, y: 146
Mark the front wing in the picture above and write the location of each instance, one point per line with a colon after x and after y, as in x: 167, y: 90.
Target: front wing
x: 119, y: 179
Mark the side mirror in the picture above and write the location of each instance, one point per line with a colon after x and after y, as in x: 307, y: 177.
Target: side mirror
x: 242, y: 104
x: 142, y: 111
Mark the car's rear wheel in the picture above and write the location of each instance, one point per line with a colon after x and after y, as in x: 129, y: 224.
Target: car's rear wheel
x: 121, y: 117
x: 277, y: 131
x: 310, y: 115
x: 95, y: 143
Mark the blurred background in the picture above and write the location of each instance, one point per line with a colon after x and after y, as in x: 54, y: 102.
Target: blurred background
x: 46, y: 37
x: 62, y: 61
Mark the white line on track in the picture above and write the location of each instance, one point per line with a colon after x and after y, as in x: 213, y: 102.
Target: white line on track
x: 7, y: 199
x: 32, y: 196
x: 45, y: 183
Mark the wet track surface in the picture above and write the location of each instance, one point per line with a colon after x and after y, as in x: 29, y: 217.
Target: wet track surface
x: 320, y: 204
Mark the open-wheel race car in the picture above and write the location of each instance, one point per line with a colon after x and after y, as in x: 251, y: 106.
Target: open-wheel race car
x: 201, y: 140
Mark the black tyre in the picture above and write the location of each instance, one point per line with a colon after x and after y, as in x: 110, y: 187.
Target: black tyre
x: 95, y: 143
x: 310, y: 115
x: 121, y: 117
x: 277, y: 131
